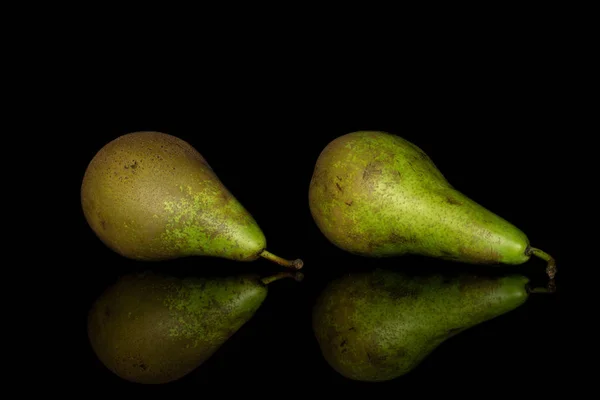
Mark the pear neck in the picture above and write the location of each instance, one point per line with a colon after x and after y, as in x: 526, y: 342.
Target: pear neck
x: 477, y: 304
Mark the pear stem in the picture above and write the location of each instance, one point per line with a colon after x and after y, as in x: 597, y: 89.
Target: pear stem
x: 298, y: 276
x: 550, y: 268
x: 296, y: 264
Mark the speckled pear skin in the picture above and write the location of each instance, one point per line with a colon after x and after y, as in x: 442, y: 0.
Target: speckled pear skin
x: 381, y: 325
x: 376, y: 194
x: 152, y: 196
x: 153, y: 329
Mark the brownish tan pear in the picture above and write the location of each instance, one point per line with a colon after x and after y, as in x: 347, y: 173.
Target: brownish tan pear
x: 152, y: 196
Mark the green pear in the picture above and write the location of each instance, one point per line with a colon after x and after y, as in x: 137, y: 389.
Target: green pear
x: 152, y: 196
x: 376, y: 194
x: 380, y: 325
x: 152, y: 328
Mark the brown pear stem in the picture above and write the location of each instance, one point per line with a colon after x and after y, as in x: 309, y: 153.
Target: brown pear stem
x: 298, y: 276
x: 296, y: 264
x: 551, y: 269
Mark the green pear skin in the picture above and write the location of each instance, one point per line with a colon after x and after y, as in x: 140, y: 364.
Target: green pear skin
x: 376, y: 194
x: 152, y: 196
x: 152, y: 328
x: 381, y: 325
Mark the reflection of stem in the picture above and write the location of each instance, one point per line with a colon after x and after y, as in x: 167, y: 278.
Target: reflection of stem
x: 541, y: 289
x: 551, y: 269
x: 298, y: 276
x: 296, y: 264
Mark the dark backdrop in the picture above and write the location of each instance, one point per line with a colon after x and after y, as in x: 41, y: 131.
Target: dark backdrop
x: 493, y: 136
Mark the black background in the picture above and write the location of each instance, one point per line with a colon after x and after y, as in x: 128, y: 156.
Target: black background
x: 492, y: 131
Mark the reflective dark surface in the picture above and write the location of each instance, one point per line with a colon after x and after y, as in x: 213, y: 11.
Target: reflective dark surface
x: 499, y: 144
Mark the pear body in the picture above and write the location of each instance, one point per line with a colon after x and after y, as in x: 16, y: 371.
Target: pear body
x: 153, y: 329
x: 381, y: 325
x: 376, y: 194
x: 152, y: 196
